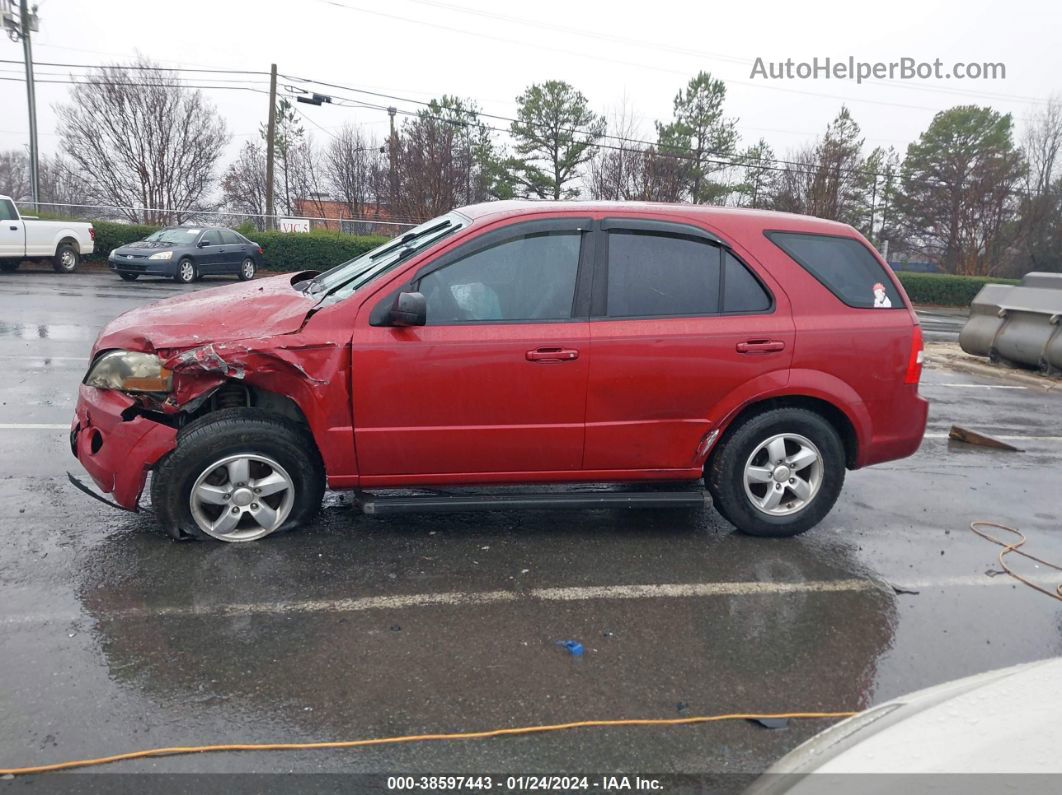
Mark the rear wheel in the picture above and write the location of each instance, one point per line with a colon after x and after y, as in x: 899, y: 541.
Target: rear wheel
x: 66, y: 258
x: 186, y: 272
x: 129, y: 277
x: 247, y: 269
x: 238, y: 475
x: 778, y: 473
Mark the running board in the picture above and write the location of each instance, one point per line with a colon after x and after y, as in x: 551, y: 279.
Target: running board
x: 374, y: 505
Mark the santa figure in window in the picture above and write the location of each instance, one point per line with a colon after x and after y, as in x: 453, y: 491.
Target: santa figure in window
x: 881, y: 301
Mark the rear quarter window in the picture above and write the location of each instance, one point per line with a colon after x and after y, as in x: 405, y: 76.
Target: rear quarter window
x: 844, y: 266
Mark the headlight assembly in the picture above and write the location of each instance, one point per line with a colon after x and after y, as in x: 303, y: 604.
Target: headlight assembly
x: 129, y: 371
x: 162, y: 255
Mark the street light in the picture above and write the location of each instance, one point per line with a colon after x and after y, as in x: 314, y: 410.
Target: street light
x: 19, y: 26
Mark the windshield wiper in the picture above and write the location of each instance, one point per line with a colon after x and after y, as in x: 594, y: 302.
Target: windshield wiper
x: 408, y: 237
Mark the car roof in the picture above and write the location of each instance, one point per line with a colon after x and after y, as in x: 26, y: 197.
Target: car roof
x: 726, y: 217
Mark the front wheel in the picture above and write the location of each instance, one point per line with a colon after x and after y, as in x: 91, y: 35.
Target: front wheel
x: 186, y: 272
x: 247, y: 269
x: 778, y: 473
x: 129, y: 277
x: 66, y: 258
x: 238, y: 475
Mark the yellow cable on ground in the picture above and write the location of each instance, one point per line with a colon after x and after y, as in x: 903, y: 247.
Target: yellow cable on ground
x: 411, y: 738
x: 1008, y: 548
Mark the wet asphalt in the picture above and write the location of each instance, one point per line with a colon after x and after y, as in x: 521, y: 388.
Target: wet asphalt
x: 115, y: 638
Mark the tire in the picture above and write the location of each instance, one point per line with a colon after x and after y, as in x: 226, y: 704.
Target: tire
x: 186, y: 272
x: 66, y: 258
x: 247, y: 270
x: 276, y: 447
x: 9, y: 267
x: 750, y: 449
x: 129, y: 277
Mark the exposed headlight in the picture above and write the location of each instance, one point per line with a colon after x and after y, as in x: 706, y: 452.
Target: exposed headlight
x: 129, y: 371
x: 162, y: 255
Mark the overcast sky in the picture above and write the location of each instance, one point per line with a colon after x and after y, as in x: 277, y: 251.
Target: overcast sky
x: 644, y: 52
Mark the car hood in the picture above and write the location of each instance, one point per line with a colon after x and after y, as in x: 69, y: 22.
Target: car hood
x: 149, y: 244
x: 1003, y: 721
x: 258, y: 308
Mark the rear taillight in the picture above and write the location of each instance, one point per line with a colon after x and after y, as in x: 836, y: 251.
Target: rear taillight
x: 92, y: 232
x: 261, y: 250
x: 914, y: 364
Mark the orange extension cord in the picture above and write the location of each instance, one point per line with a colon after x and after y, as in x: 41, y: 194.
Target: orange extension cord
x: 1009, y: 548
x: 412, y: 738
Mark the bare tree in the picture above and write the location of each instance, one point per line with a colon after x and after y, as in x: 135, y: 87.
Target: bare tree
x: 140, y: 139
x: 1039, y: 231
x: 615, y: 173
x: 243, y: 185
x: 14, y: 175
x: 351, y: 163
x: 444, y: 158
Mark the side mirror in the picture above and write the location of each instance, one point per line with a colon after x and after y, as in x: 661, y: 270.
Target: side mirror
x: 202, y: 244
x: 409, y: 309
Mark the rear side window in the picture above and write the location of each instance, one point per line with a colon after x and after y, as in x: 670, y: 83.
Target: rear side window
x: 230, y: 237
x: 654, y: 274
x: 741, y: 291
x: 844, y: 266
x: 657, y: 275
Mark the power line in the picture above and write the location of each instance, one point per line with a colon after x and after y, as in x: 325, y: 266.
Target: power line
x: 671, y: 50
x: 133, y: 85
x: 141, y: 68
x: 606, y: 59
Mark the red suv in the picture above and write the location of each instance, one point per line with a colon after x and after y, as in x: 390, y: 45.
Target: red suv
x: 649, y: 347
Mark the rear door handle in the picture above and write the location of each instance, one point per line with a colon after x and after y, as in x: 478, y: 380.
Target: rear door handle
x: 760, y: 346
x: 552, y: 355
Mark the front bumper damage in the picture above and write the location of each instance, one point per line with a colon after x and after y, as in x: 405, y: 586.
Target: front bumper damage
x: 115, y: 445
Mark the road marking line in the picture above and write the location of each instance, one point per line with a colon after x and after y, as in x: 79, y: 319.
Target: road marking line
x: 33, y: 426
x: 974, y: 386
x: 556, y: 594
x: 1008, y: 437
x: 42, y: 357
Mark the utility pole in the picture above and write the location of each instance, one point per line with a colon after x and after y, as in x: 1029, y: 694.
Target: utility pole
x: 271, y: 130
x: 392, y: 143
x: 20, y: 29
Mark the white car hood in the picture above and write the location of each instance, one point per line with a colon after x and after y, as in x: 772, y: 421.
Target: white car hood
x: 1005, y: 721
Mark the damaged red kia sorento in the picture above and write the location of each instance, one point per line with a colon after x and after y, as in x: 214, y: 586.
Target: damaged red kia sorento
x: 655, y: 351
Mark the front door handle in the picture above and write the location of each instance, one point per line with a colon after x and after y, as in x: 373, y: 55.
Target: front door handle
x: 760, y: 346
x: 13, y: 228
x: 552, y: 355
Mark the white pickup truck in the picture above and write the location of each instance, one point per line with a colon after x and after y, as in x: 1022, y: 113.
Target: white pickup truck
x: 63, y: 243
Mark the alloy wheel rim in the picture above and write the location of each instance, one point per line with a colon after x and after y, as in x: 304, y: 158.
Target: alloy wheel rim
x: 248, y: 268
x: 187, y: 272
x: 783, y: 475
x: 242, y: 497
x: 67, y: 259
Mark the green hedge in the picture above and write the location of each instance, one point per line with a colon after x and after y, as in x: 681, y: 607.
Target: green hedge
x: 317, y: 250
x: 284, y: 251
x: 111, y: 235
x: 944, y: 289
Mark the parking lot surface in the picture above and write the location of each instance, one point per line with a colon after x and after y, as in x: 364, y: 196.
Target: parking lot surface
x: 116, y: 638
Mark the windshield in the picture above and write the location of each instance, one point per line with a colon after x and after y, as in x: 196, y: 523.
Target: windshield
x: 342, y: 280
x: 178, y: 235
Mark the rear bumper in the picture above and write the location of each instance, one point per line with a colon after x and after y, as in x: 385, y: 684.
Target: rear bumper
x: 117, y: 453
x: 900, y: 434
